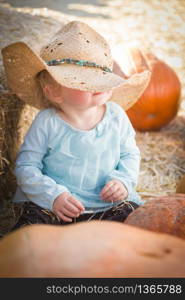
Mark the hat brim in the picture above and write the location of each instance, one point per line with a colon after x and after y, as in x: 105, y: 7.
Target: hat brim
x: 22, y: 65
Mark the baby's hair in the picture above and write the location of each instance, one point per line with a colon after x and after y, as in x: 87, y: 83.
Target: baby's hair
x: 45, y: 78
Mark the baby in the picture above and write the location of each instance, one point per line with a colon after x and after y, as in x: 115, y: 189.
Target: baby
x: 79, y: 160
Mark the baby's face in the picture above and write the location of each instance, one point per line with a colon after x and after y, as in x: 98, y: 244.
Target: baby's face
x: 76, y: 98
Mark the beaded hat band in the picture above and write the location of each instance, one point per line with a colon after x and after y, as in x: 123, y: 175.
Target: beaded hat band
x: 81, y: 62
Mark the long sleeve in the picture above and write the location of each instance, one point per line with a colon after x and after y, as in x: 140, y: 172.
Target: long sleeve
x: 127, y: 169
x: 36, y: 186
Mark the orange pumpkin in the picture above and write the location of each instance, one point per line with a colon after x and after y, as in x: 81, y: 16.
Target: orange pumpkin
x: 91, y: 249
x: 165, y: 214
x: 160, y: 102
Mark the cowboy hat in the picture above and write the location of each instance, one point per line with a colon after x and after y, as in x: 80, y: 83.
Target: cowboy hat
x: 76, y: 57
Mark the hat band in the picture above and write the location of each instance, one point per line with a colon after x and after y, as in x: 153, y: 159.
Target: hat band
x: 80, y: 62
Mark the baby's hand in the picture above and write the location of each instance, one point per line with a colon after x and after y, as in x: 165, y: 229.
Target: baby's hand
x: 66, y: 206
x: 113, y: 191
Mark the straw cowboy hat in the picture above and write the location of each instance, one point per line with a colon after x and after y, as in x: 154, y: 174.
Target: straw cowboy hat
x: 77, y: 57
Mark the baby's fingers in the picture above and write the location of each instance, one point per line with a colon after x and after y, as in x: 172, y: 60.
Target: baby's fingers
x: 76, y: 203
x: 106, y: 188
x: 72, y: 208
x: 63, y: 217
x: 117, y: 196
x: 69, y: 213
x: 109, y: 190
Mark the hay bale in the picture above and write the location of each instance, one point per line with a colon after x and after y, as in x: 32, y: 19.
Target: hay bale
x: 15, y: 119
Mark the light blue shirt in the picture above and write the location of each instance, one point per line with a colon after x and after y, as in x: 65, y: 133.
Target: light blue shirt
x: 56, y: 157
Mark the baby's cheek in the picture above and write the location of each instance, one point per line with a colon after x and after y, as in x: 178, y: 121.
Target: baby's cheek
x: 79, y: 100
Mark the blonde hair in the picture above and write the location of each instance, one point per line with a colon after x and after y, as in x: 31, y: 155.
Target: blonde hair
x: 45, y: 78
